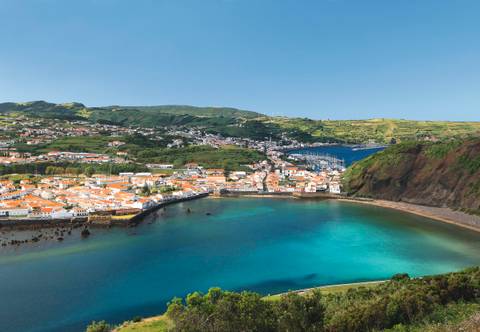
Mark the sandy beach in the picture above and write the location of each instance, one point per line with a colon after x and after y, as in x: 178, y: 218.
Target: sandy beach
x: 446, y: 215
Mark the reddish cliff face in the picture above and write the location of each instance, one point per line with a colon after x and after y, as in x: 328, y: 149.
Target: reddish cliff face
x: 437, y: 174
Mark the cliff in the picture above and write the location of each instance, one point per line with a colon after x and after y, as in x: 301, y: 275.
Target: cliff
x: 443, y: 174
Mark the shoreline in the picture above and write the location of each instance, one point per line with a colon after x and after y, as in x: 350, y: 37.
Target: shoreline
x: 442, y: 214
x: 445, y: 215
x: 328, y: 288
x: 334, y: 288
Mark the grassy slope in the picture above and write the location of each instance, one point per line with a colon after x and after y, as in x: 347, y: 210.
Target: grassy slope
x: 162, y: 323
x: 451, y: 317
x: 153, y: 324
x: 438, y: 174
x: 192, y: 110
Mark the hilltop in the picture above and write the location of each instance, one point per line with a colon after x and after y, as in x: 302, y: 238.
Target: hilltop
x: 227, y: 112
x: 443, y: 174
x: 232, y: 122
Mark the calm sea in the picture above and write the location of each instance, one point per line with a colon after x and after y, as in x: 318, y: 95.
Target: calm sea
x: 265, y: 245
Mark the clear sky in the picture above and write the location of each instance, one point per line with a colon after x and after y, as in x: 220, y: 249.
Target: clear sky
x: 323, y: 59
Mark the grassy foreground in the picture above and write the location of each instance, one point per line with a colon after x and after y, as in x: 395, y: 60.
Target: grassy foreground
x: 454, y: 317
x: 449, y: 302
x: 162, y: 323
x: 153, y: 324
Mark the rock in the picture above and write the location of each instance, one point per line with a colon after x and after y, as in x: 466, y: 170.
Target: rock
x: 85, y: 233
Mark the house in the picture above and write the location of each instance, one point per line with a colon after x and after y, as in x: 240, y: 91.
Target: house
x: 79, y: 212
x: 115, y: 144
x: 334, y: 188
x: 160, y: 166
x: 290, y: 170
x: 13, y: 195
x: 215, y: 171
x: 191, y: 166
x: 143, y: 203
x: 13, y: 212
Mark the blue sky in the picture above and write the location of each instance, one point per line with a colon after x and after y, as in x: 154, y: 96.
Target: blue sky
x: 323, y: 59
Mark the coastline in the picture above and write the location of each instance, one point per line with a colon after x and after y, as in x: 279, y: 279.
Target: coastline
x: 149, y: 322
x: 446, y: 215
x: 333, y: 288
x: 442, y: 214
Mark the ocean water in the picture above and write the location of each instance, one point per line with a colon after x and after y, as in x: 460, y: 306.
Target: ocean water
x: 340, y: 151
x: 265, y: 245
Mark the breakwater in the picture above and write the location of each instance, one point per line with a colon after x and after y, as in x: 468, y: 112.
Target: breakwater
x: 135, y: 220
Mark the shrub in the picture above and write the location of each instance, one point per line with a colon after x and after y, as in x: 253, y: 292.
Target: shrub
x: 101, y: 326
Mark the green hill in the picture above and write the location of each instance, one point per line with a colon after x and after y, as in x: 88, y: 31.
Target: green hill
x: 438, y: 174
x: 239, y: 123
x: 133, y: 115
x: 43, y: 109
x: 227, y: 112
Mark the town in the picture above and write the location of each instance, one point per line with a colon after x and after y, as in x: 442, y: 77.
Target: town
x: 127, y: 194
x: 68, y: 194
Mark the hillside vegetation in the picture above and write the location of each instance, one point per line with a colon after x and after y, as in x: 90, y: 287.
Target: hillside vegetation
x: 378, y: 130
x: 228, y: 157
x: 435, y: 303
x: 239, y: 123
x: 227, y: 112
x: 438, y: 174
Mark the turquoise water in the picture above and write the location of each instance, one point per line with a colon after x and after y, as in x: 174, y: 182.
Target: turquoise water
x: 265, y: 245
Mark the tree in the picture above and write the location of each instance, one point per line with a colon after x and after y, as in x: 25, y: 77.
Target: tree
x: 146, y: 190
x: 301, y: 313
x: 101, y: 326
x: 228, y: 167
x: 89, y: 171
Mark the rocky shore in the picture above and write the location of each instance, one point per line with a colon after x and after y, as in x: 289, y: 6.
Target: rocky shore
x: 16, y: 237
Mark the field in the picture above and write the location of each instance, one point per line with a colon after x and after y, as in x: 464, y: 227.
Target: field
x: 378, y: 130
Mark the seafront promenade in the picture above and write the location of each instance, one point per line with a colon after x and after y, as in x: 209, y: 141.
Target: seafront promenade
x: 105, y: 221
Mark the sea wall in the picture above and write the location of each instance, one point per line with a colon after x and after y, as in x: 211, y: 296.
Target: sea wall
x: 25, y: 224
x: 139, y: 217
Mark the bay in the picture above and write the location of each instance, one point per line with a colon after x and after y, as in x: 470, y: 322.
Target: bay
x: 267, y: 245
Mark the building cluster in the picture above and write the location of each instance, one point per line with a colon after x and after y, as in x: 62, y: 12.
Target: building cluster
x: 60, y: 197
x: 14, y: 157
x: 70, y: 197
